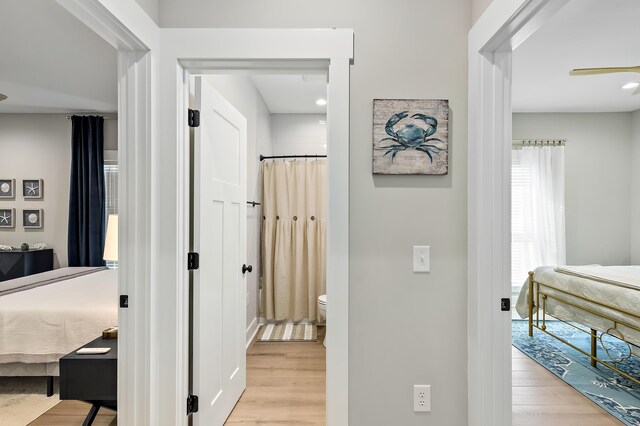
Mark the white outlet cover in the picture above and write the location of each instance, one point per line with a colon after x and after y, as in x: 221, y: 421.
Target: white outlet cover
x: 421, y: 259
x: 421, y: 398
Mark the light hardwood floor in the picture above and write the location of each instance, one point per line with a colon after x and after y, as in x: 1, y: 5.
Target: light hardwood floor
x: 72, y: 413
x: 541, y: 398
x: 286, y: 386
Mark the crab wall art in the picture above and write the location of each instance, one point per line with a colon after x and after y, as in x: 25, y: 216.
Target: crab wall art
x: 410, y: 136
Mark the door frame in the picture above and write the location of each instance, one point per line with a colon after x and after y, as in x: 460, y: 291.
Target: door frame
x: 286, y: 51
x: 500, y: 30
x: 132, y: 33
x: 153, y: 68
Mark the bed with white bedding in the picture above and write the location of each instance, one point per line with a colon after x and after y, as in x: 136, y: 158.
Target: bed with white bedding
x: 604, y: 299
x: 46, y: 316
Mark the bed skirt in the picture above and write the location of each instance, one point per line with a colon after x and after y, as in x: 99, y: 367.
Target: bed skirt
x: 23, y: 369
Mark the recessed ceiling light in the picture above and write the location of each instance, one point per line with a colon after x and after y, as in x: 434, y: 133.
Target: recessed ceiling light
x: 322, y: 122
x: 321, y: 102
x: 3, y: 96
x: 632, y: 85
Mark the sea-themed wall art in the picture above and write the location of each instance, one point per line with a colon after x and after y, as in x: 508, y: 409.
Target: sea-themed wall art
x: 7, y: 218
x: 32, y: 219
x: 410, y: 136
x: 7, y: 189
x: 32, y: 188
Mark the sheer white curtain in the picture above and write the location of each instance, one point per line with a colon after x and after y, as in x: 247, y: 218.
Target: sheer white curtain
x: 294, y: 203
x: 537, y: 210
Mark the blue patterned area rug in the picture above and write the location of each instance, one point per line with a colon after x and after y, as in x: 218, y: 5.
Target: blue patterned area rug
x: 610, y: 390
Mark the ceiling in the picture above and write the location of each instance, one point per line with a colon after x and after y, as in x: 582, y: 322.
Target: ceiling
x: 292, y: 94
x: 52, y: 63
x: 583, y: 34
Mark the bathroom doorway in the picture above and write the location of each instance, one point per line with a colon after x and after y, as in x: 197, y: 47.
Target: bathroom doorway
x: 277, y: 125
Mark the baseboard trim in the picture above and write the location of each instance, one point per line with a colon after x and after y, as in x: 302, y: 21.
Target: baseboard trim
x: 252, y: 330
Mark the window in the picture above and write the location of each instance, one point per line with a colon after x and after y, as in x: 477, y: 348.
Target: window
x: 537, y: 210
x: 111, y: 195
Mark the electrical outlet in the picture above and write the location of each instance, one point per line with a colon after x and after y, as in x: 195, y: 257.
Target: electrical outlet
x: 421, y: 398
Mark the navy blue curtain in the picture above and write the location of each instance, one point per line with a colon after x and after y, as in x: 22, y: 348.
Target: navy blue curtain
x: 86, y: 194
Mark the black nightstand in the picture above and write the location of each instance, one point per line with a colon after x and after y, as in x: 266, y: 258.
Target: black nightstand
x: 18, y: 263
x: 91, y: 378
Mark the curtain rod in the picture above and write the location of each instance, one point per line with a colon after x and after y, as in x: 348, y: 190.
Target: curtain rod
x: 539, y: 142
x: 106, y: 118
x: 270, y: 157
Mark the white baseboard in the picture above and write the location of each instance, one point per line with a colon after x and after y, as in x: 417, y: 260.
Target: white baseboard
x: 252, y: 330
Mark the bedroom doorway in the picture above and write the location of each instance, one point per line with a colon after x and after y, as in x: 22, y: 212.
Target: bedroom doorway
x: 502, y: 29
x: 561, y: 115
x: 58, y: 113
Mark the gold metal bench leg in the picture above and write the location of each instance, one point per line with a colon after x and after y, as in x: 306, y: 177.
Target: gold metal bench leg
x: 594, y: 347
x: 530, y: 304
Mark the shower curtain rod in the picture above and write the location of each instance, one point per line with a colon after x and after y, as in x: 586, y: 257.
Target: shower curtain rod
x: 541, y: 142
x: 108, y: 117
x: 269, y: 157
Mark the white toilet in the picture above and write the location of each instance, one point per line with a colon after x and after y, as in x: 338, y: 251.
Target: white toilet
x: 322, y: 309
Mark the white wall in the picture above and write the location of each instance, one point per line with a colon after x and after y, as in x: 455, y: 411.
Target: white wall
x: 299, y: 134
x: 240, y: 91
x: 635, y: 188
x: 39, y: 146
x: 150, y: 7
x: 478, y: 7
x: 598, y: 185
x: 397, y: 333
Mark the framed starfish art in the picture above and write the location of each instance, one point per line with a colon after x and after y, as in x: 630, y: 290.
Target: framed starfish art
x: 7, y: 218
x: 32, y: 188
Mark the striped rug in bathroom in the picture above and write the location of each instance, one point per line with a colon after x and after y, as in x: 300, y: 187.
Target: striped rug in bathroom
x: 288, y: 333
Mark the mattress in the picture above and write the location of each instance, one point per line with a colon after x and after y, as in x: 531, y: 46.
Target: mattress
x: 617, y: 286
x: 45, y: 278
x: 41, y: 324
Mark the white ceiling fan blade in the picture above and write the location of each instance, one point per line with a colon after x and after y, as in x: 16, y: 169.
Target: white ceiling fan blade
x: 604, y: 70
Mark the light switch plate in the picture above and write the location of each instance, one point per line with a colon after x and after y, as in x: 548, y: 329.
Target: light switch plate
x: 421, y: 259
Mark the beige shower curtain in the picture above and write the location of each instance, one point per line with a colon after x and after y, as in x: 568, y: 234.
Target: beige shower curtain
x: 294, y: 202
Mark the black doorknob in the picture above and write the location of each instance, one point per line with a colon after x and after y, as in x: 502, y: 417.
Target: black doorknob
x: 246, y: 269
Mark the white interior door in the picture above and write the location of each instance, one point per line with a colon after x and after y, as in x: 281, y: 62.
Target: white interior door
x: 219, y: 354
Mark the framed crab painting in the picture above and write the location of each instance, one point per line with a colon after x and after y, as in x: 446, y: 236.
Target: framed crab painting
x: 410, y: 136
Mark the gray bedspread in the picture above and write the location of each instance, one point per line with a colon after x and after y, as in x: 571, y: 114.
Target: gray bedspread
x: 45, y: 278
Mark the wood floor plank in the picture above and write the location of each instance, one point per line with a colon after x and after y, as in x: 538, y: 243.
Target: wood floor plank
x: 541, y: 398
x: 285, y: 384
x: 72, y: 413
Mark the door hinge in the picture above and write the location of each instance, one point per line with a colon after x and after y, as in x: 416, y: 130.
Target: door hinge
x: 194, y: 118
x: 193, y: 261
x: 505, y: 304
x: 124, y: 301
x: 192, y: 404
